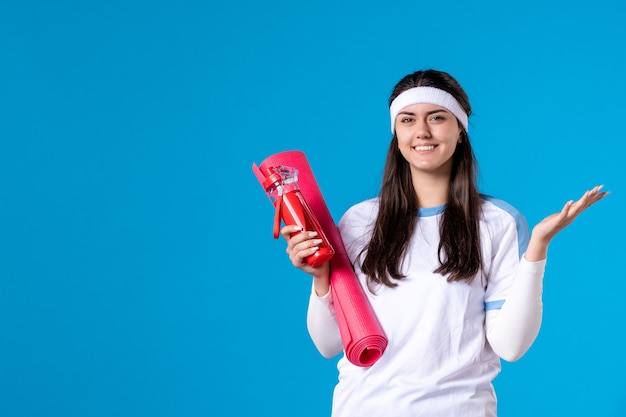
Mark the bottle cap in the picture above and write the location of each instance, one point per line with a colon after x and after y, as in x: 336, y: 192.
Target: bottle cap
x: 272, y: 178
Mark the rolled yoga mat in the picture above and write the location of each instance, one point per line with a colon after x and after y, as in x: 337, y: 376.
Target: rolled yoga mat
x: 363, y: 338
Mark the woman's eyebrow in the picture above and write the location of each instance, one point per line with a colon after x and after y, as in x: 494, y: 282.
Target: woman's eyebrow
x: 427, y: 113
x: 437, y: 111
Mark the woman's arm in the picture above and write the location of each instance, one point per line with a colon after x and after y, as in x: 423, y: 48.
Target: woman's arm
x: 321, y: 320
x: 512, y: 329
x: 322, y: 325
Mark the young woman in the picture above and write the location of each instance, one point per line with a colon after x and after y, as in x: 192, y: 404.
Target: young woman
x: 454, y: 277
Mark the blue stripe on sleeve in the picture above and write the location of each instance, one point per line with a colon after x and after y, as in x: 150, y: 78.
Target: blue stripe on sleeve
x: 523, y: 232
x: 493, y: 305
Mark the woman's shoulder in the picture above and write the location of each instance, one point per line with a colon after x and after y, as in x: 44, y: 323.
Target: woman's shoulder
x: 362, y: 213
x: 356, y: 225
x: 492, y: 206
x: 499, y: 214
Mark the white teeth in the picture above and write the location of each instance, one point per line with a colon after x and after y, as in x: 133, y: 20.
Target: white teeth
x: 425, y: 148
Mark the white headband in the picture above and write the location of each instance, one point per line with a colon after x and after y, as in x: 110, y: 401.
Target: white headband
x: 430, y: 95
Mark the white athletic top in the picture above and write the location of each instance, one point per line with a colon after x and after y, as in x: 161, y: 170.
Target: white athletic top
x: 438, y: 361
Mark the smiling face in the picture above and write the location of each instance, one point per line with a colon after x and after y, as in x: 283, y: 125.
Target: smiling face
x: 427, y: 137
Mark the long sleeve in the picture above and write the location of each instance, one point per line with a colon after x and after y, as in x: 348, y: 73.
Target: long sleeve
x: 512, y: 329
x: 322, y: 325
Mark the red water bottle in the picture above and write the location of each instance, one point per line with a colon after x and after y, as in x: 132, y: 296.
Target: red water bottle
x: 281, y: 184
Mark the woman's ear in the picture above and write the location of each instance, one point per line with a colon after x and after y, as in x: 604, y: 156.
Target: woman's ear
x: 462, y: 134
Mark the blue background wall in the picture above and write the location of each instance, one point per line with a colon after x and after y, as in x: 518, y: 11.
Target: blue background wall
x: 138, y: 275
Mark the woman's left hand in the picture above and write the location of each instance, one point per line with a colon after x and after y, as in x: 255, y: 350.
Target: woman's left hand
x: 546, y: 229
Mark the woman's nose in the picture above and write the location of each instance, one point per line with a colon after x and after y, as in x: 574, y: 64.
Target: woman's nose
x: 421, y: 129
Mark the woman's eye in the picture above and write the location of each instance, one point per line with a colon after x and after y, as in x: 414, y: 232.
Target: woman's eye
x: 406, y: 119
x: 438, y: 117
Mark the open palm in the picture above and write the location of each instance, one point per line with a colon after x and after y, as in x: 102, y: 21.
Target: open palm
x: 546, y: 229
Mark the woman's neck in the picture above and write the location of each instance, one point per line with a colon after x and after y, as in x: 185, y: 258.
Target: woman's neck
x: 431, y: 190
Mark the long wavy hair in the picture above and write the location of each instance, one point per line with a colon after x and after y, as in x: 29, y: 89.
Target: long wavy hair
x: 459, y: 246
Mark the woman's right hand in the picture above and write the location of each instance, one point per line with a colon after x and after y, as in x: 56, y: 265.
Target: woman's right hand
x: 300, y: 246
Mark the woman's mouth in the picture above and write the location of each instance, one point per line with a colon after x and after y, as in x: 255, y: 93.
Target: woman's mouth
x: 424, y: 148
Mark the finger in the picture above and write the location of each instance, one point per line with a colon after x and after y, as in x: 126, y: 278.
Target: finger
x: 598, y: 194
x: 597, y: 198
x: 583, y: 202
x: 592, y: 196
x: 297, y: 239
x: 566, y: 210
x: 300, y: 241
x: 305, y: 240
x: 291, y: 234
x: 579, y: 206
x: 303, y: 250
x: 306, y: 245
x: 288, y: 230
x: 301, y: 255
x: 588, y: 198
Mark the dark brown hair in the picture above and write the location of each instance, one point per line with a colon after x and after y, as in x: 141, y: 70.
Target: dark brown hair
x: 459, y: 246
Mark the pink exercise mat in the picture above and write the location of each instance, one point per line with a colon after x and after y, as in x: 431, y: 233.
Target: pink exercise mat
x: 363, y: 338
